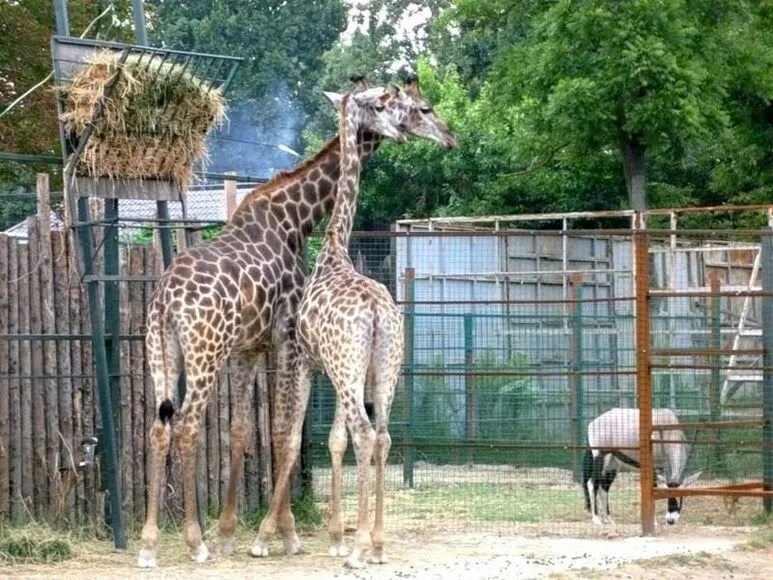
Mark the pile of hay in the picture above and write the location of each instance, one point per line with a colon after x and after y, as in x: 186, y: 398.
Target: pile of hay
x: 153, y: 123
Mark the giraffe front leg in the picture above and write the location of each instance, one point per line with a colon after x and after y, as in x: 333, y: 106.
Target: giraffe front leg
x: 227, y: 523
x: 337, y: 445
x: 244, y: 367
x: 292, y: 396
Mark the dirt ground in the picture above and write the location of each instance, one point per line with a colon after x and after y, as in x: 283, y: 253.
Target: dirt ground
x: 698, y: 552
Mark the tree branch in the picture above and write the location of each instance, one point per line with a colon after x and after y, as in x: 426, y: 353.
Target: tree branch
x: 536, y: 166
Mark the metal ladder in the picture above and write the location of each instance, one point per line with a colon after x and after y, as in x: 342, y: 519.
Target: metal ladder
x: 740, y: 369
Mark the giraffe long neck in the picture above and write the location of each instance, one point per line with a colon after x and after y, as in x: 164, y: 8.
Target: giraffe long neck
x: 339, y: 228
x: 307, y: 193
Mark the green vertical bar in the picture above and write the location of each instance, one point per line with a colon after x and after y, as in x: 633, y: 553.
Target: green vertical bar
x: 62, y: 21
x: 767, y: 363
x: 470, y: 407
x: 579, y: 420
x: 112, y: 322
x: 112, y: 309
x: 410, y: 297
x: 107, y: 441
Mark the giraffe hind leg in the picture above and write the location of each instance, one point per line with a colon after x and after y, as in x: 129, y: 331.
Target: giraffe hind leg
x: 187, y: 426
x: 164, y: 360
x: 386, y: 363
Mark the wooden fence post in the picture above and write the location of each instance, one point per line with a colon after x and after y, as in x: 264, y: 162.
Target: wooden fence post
x: 48, y: 326
x: 5, y: 383
x: 230, y: 194
x: 644, y: 380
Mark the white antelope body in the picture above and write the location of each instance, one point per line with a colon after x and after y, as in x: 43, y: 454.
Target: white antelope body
x: 613, y: 441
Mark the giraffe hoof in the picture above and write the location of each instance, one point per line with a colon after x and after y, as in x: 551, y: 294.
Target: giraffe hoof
x: 200, y: 553
x: 354, y: 563
x: 258, y: 550
x: 378, y: 558
x: 293, y: 545
x: 225, y: 547
x: 597, y: 520
x: 147, y: 558
x: 338, y: 551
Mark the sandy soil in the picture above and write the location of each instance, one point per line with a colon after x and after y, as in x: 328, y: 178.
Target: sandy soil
x: 699, y: 553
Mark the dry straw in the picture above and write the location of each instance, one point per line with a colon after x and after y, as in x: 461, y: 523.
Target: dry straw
x: 153, y: 122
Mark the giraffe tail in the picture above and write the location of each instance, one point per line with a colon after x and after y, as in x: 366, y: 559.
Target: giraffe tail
x: 163, y: 395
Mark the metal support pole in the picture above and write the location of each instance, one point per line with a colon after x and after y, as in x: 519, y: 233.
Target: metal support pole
x: 643, y: 382
x: 108, y: 441
x: 140, y: 32
x: 577, y: 395
x: 112, y: 317
x: 471, y: 406
x: 767, y: 363
x: 112, y: 313
x: 62, y: 21
x: 410, y: 297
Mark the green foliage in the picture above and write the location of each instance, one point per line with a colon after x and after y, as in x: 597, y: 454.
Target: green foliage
x: 308, y: 515
x: 16, y: 181
x: 281, y: 41
x: 435, y: 405
x: 502, y: 397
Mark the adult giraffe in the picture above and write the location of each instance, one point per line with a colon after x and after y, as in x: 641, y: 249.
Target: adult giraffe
x: 350, y: 325
x: 237, y: 297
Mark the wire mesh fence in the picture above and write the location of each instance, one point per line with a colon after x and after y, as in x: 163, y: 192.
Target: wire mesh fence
x: 516, y: 340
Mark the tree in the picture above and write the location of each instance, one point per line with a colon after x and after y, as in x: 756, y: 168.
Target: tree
x: 282, y: 41
x: 588, y: 75
x: 31, y: 126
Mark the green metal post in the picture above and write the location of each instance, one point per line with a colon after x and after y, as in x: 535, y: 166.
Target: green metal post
x: 470, y: 407
x: 767, y: 363
x: 112, y: 306
x: 107, y: 441
x: 62, y: 21
x: 577, y: 395
x: 410, y: 297
x: 112, y: 319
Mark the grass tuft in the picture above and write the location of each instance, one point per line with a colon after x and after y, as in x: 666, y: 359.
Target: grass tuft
x: 308, y: 515
x: 33, y: 545
x: 761, y: 539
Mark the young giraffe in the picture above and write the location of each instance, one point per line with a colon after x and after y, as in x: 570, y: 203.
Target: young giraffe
x: 349, y: 324
x: 238, y: 297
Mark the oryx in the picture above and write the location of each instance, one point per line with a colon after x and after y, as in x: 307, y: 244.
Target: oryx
x: 613, y: 441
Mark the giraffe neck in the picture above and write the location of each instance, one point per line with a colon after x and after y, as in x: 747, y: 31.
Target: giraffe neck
x: 339, y: 228
x: 308, y: 192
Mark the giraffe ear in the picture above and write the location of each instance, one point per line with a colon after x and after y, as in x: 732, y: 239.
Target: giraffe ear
x: 334, y: 98
x: 393, y: 89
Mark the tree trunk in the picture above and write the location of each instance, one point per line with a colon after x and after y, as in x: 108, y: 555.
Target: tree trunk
x: 632, y: 150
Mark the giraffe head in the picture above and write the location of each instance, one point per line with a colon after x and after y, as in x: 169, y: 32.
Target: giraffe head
x: 371, y: 109
x: 418, y: 117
